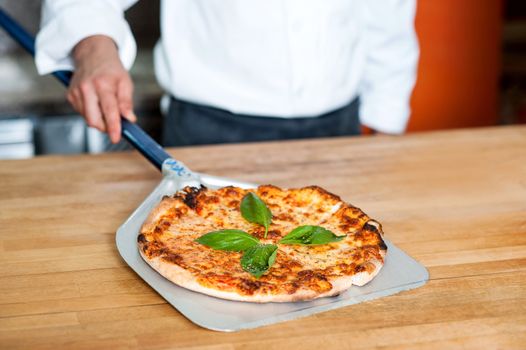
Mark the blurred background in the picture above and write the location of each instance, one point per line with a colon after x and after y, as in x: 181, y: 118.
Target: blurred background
x: 472, y: 73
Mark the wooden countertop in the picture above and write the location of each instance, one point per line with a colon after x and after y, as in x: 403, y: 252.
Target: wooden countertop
x: 455, y: 201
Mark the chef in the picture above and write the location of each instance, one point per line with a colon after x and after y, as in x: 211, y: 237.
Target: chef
x: 241, y: 70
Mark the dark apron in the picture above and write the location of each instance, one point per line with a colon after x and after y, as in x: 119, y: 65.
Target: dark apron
x: 192, y: 124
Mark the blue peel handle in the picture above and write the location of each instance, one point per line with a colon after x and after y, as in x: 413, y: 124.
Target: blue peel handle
x: 147, y: 146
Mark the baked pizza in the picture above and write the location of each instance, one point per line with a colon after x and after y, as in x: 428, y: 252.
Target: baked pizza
x: 262, y: 245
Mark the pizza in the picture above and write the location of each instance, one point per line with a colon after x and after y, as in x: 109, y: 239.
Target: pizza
x: 344, y: 246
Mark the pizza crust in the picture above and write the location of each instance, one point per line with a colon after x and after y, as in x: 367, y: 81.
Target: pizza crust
x: 151, y: 221
x: 165, y: 248
x: 185, y: 279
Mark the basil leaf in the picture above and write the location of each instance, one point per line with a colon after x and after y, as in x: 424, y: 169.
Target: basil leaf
x: 310, y: 235
x: 254, y: 210
x: 258, y: 259
x: 232, y: 240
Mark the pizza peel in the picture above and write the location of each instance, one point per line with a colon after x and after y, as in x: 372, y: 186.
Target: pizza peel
x: 400, y: 272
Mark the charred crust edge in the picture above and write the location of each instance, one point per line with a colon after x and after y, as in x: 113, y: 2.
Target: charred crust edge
x: 370, y: 227
x: 375, y: 227
x: 190, y: 194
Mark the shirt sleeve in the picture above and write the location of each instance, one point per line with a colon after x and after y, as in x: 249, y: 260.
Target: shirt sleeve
x: 66, y: 22
x: 391, y: 63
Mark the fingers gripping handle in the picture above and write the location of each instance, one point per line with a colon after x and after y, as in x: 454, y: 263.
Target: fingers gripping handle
x: 147, y: 146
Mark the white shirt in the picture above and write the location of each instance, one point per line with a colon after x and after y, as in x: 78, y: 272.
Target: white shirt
x: 282, y: 58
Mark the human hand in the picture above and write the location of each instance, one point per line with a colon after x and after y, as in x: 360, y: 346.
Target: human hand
x: 101, y: 89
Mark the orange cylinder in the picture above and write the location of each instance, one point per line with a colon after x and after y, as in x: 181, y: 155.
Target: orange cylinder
x: 460, y: 64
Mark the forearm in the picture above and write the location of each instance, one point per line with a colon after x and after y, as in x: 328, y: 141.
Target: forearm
x: 95, y: 47
x: 67, y: 22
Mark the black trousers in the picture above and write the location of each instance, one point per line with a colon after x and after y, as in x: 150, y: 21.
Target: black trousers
x: 192, y: 124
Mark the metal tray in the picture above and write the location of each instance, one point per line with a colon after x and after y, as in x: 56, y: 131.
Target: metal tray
x: 399, y: 273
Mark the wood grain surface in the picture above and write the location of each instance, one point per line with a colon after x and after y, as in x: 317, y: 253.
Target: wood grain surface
x: 455, y: 201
